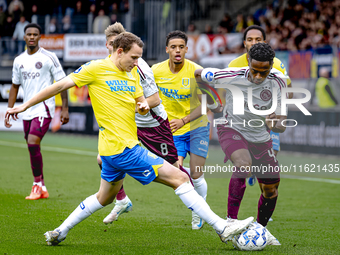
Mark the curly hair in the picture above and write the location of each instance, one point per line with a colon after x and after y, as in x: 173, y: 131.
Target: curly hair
x: 113, y: 30
x: 262, y: 52
x: 176, y: 34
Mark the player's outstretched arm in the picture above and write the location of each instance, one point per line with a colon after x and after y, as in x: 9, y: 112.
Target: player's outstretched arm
x: 142, y: 106
x: 44, y: 94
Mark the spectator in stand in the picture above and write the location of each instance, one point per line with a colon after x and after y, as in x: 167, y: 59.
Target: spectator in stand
x: 113, y: 18
x: 114, y: 8
x: 124, y: 6
x: 19, y: 33
x: 93, y: 11
x: 2, y: 18
x: 250, y: 20
x: 52, y: 27
x: 81, y: 9
x: 240, y: 24
x: 67, y: 25
x: 192, y: 30
x: 225, y: 25
x: 16, y: 9
x: 208, y: 29
x: 70, y: 7
x: 79, y: 18
x: 3, y: 3
x: 8, y: 31
x: 34, y: 14
x: 101, y: 22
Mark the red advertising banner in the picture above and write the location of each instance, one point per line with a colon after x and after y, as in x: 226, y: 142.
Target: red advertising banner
x: 54, y: 43
x: 200, y: 46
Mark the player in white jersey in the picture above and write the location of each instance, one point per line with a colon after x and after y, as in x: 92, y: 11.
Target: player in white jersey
x: 153, y: 128
x: 34, y: 70
x: 243, y: 136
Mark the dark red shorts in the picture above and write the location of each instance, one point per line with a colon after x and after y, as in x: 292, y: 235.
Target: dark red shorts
x: 159, y: 140
x: 37, y: 126
x: 264, y: 163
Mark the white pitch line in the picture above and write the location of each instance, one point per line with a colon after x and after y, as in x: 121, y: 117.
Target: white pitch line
x: 310, y: 179
x: 49, y: 148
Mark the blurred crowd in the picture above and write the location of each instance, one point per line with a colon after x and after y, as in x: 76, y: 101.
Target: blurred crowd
x: 290, y: 25
x: 66, y: 16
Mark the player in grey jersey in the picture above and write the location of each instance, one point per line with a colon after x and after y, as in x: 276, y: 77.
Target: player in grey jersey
x: 244, y: 138
x: 153, y: 129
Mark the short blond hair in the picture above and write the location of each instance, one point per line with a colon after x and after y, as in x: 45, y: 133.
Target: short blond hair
x: 114, y: 30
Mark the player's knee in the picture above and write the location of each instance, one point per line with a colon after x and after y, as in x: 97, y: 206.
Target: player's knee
x: 270, y: 190
x: 180, y: 179
x: 33, y: 140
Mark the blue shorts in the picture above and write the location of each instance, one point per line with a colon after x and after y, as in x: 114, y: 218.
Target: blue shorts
x: 195, y: 141
x: 276, y: 140
x: 137, y: 162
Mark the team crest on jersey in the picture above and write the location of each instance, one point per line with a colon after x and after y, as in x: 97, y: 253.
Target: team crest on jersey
x: 129, y: 75
x: 266, y: 95
x: 38, y: 65
x: 185, y: 82
x: 237, y: 137
x: 209, y: 76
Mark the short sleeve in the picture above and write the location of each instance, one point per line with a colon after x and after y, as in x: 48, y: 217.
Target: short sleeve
x: 15, y: 73
x: 207, y: 75
x: 83, y: 75
x: 147, y: 79
x: 56, y: 70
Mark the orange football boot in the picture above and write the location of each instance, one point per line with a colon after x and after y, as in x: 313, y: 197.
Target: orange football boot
x: 35, y: 193
x: 44, y: 194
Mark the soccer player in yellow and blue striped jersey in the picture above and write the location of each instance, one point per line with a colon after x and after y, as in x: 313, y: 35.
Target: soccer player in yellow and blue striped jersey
x: 116, y: 94
x: 180, y: 96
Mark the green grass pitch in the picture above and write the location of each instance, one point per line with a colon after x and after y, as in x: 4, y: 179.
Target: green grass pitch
x: 306, y: 219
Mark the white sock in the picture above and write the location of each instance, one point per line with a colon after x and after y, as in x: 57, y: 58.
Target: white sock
x: 201, y: 186
x: 37, y: 183
x: 188, y: 170
x: 84, y: 210
x: 44, y: 188
x: 197, y: 204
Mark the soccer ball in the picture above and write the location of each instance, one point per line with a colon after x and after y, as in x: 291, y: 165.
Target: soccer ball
x: 254, y: 238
